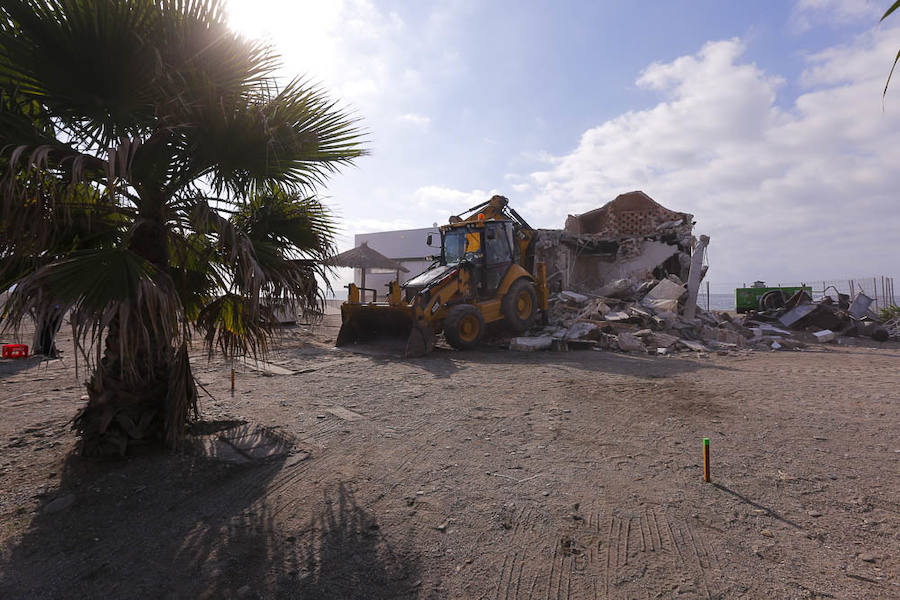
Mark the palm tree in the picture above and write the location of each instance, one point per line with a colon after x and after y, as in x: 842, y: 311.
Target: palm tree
x: 158, y: 183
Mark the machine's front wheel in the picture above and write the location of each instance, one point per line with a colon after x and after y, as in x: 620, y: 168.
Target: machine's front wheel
x: 464, y: 327
x: 519, y: 306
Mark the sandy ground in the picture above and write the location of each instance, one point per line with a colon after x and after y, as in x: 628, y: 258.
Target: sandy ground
x: 485, y: 474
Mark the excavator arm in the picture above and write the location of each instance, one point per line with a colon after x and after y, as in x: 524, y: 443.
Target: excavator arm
x: 498, y: 208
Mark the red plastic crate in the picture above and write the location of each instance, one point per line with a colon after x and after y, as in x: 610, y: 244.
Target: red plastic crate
x: 15, y: 351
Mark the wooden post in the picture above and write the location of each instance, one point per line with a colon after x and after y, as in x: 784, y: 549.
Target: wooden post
x: 706, y: 460
x: 875, y: 289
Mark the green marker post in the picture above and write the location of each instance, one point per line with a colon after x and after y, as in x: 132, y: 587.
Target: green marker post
x: 706, y: 460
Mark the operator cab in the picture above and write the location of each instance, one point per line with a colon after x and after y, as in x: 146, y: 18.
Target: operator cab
x: 486, y: 246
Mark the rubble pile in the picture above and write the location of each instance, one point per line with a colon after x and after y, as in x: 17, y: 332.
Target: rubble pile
x: 826, y: 319
x: 643, y: 317
x: 648, y: 317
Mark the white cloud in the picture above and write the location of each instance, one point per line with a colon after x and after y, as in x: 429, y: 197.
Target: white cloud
x: 800, y: 192
x: 453, y: 202
x: 810, y: 13
x: 415, y: 119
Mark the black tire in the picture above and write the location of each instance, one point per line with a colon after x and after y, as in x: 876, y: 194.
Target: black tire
x: 771, y: 300
x: 519, y: 306
x: 464, y: 327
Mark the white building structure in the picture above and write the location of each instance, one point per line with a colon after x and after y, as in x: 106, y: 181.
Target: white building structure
x: 407, y: 246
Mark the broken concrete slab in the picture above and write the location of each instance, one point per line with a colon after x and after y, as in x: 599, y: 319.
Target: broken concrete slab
x: 573, y: 297
x: 661, y: 305
x: 661, y: 340
x: 826, y: 335
x: 666, y: 290
x: 594, y: 309
x: 647, y: 256
x: 630, y: 343
x: 693, y: 345
x: 582, y: 331
x: 766, y: 328
x: 617, y: 315
x: 531, y: 344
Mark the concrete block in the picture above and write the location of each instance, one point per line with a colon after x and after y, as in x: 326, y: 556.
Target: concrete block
x: 531, y: 344
x: 630, y: 343
x: 826, y: 335
x: 574, y: 297
x: 693, y: 345
x: 666, y: 290
x: 662, y: 340
x: 617, y: 315
x: 659, y: 305
x: 582, y: 331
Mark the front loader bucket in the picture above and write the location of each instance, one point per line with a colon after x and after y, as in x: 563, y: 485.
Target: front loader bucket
x: 373, y: 323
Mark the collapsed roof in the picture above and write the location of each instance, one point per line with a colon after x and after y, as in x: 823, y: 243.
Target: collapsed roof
x: 632, y: 236
x: 631, y: 214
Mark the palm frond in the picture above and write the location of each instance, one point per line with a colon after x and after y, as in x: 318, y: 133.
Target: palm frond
x: 235, y: 326
x: 887, y: 13
x: 293, y: 139
x: 100, y: 286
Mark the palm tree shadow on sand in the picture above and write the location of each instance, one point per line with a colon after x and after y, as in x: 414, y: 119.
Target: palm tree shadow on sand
x: 346, y: 556
x: 185, y: 526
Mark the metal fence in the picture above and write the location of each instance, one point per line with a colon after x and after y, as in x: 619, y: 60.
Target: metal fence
x: 720, y: 295
x: 880, y: 288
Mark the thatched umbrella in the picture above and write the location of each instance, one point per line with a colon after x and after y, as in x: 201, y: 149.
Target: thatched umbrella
x: 363, y: 257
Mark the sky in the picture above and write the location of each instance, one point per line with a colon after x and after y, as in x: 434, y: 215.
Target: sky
x: 765, y: 120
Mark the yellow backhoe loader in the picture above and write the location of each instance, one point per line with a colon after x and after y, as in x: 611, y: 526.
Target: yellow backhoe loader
x: 485, y: 273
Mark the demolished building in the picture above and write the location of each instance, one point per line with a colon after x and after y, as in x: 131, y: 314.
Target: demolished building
x: 625, y: 277
x: 632, y: 237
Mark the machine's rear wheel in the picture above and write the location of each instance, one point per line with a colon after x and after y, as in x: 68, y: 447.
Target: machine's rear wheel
x: 519, y: 305
x: 464, y: 327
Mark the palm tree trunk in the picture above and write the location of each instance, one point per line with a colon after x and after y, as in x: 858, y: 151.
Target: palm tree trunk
x: 151, y: 404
